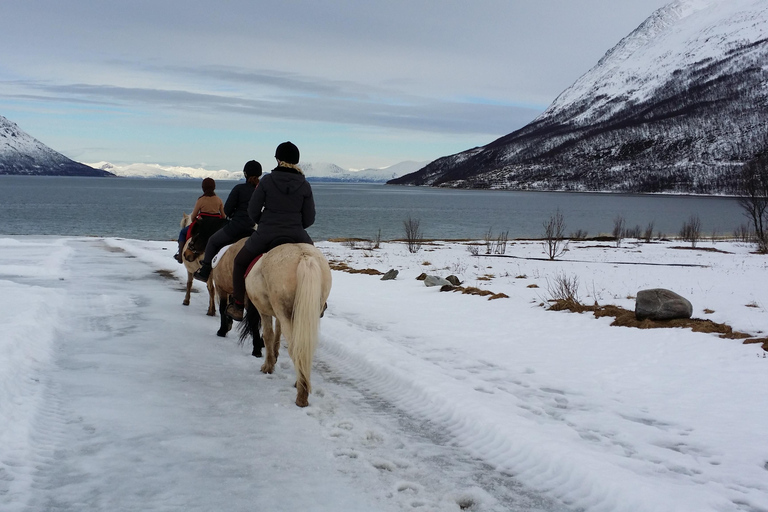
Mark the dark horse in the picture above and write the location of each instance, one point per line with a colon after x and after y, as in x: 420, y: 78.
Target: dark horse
x: 221, y: 278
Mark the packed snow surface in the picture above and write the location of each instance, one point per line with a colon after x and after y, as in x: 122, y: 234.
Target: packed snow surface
x: 114, y: 396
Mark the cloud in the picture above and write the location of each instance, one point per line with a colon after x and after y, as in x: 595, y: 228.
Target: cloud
x: 292, y: 97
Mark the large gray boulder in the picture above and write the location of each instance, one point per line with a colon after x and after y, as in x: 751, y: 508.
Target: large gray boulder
x: 435, y: 281
x: 661, y: 304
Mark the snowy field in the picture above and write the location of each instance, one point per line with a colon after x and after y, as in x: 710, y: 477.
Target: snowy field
x: 115, y: 397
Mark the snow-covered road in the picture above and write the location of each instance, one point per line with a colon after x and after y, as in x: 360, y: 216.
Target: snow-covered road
x: 140, y: 406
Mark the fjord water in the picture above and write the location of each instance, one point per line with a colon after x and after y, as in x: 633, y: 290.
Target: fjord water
x: 150, y: 209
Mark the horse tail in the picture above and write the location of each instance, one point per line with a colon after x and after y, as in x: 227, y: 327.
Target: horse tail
x: 251, y: 323
x: 307, y: 306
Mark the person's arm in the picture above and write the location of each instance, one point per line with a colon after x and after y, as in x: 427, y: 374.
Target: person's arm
x: 308, y: 211
x: 196, y: 210
x: 256, y: 204
x: 231, y: 205
x: 221, y: 208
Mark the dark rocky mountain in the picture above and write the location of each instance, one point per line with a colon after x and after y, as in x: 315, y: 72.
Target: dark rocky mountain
x: 677, y: 106
x: 20, y: 153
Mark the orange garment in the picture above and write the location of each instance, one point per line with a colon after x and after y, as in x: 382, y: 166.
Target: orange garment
x: 211, y: 205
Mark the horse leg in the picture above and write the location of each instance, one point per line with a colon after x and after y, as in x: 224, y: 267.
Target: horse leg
x: 211, y: 298
x: 270, y: 345
x: 226, y: 321
x: 189, y: 289
x: 258, y: 344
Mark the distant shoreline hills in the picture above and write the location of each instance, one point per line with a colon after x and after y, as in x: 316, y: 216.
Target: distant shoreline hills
x: 23, y: 155
x: 315, y: 172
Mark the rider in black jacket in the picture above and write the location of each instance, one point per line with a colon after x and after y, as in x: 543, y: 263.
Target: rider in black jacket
x: 283, y: 207
x: 240, y: 223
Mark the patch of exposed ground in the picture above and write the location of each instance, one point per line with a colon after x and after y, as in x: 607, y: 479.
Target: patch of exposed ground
x: 340, y: 265
x: 626, y: 318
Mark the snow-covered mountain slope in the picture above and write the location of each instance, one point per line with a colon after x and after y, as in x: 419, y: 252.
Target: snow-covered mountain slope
x: 160, y: 171
x: 20, y: 153
x: 677, y: 105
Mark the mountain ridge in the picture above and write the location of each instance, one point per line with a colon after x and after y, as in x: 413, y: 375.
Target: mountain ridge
x: 22, y: 154
x: 675, y: 106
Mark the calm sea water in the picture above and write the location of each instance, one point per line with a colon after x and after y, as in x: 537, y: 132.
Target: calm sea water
x: 150, y: 209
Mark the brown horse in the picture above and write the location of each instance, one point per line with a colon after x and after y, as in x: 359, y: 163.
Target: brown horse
x: 289, y: 284
x: 221, y: 277
x: 192, y: 256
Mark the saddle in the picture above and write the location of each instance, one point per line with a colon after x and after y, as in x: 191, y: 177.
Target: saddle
x: 203, y: 227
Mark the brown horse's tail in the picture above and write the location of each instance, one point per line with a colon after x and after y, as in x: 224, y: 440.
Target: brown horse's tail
x: 307, y: 307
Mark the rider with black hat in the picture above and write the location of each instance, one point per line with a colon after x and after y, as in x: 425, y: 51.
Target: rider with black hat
x: 283, y: 207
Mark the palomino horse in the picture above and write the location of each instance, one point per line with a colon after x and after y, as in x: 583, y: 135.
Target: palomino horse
x: 221, y: 277
x: 192, y: 256
x: 289, y: 284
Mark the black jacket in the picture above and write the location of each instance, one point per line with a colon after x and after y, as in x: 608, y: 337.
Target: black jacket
x: 282, y: 204
x: 236, y: 209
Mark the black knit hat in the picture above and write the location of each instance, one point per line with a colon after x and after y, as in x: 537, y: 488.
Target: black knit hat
x: 252, y: 168
x: 287, y: 152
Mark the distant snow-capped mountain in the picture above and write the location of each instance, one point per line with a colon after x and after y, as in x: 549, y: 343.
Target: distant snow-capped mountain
x: 676, y: 106
x: 313, y: 171
x: 332, y: 172
x: 20, y: 153
x: 160, y: 171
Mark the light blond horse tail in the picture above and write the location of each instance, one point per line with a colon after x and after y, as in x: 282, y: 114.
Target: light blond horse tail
x: 307, y: 306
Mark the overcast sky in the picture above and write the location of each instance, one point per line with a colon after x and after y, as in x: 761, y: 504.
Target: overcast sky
x: 356, y: 83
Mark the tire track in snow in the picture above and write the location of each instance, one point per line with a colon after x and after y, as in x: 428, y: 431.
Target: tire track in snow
x: 428, y: 451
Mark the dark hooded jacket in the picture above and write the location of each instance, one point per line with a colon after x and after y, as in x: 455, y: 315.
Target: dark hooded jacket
x: 282, y: 205
x: 236, y: 208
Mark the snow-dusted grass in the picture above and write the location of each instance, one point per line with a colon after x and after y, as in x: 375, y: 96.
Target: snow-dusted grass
x: 423, y: 399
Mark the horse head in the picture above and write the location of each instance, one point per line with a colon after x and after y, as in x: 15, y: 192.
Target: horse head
x: 186, y: 220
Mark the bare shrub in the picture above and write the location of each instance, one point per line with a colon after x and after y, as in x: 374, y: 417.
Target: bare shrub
x: 413, y: 236
x: 377, y: 240
x: 753, y: 189
x: 563, y: 290
x: 618, y: 229
x: 473, y: 250
x: 648, y: 233
x: 554, y: 235
x: 744, y: 234
x: 579, y: 234
x: 691, y: 230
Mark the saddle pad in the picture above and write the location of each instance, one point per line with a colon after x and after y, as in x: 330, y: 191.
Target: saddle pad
x: 248, y: 270
x: 220, y: 255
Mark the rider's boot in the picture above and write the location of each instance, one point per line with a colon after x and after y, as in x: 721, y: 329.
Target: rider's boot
x: 177, y: 256
x: 236, y: 311
x: 203, y: 272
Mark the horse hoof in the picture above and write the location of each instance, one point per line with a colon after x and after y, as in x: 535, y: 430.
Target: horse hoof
x: 256, y: 353
x: 211, y: 313
x: 302, y: 403
x: 221, y: 334
x: 186, y: 303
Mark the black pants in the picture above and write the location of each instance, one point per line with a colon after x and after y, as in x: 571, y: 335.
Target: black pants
x: 218, y: 240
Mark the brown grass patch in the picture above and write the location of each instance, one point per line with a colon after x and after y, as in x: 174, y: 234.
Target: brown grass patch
x: 626, y: 318
x: 340, y: 265
x: 471, y: 290
x: 762, y: 341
